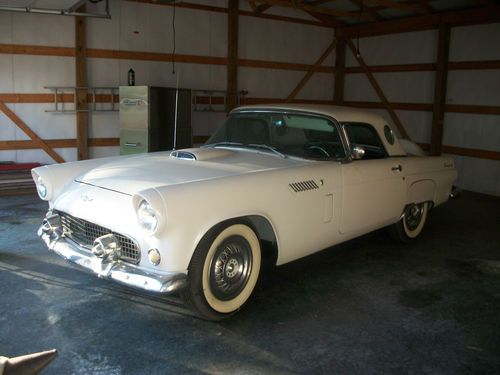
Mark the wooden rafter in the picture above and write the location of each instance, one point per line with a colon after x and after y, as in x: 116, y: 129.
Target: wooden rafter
x: 310, y: 72
x: 258, y: 8
x: 317, y: 9
x: 30, y: 133
x: 417, y: 8
x: 370, y: 10
x: 378, y: 90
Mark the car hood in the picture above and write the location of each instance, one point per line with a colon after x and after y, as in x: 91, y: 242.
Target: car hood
x: 131, y: 174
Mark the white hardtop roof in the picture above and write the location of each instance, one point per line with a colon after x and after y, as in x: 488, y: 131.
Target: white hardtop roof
x: 339, y: 113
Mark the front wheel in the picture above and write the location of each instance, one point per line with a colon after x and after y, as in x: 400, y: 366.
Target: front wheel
x: 411, y: 224
x: 223, y: 271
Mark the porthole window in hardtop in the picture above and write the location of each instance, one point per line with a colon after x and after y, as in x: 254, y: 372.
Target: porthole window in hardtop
x: 365, y: 136
x: 301, y: 135
x: 389, y: 135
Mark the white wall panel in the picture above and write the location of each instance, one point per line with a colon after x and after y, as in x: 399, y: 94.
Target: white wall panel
x: 105, y: 33
x: 472, y: 131
x: 319, y: 87
x: 474, y: 87
x: 268, y: 83
x: 414, y: 87
x: 8, y: 156
x: 480, y: 42
x: 6, y: 73
x: 406, y: 48
x: 103, y: 72
x: 283, y: 41
x: 46, y: 125
x: 479, y: 175
x: 32, y: 73
x: 6, y: 27
x: 418, y: 124
x: 7, y: 127
x: 42, y: 29
x: 39, y: 156
x: 103, y: 152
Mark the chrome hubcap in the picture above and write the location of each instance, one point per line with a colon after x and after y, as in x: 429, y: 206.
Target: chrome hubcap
x: 230, y: 268
x: 413, y: 215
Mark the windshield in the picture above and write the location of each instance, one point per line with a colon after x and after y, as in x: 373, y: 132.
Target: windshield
x: 304, y: 136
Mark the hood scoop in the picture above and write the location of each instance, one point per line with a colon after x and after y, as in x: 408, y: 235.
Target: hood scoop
x: 201, y: 154
x: 184, y: 155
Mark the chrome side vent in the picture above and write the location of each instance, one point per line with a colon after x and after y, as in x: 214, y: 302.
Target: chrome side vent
x: 301, y: 186
x: 183, y: 155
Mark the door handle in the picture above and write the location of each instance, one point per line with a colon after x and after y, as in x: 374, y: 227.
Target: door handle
x: 397, y: 168
x: 132, y: 144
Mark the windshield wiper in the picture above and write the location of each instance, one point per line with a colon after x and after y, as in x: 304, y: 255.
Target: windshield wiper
x: 251, y: 145
x: 267, y: 147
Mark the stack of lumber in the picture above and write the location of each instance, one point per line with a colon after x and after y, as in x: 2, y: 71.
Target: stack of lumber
x: 15, y: 178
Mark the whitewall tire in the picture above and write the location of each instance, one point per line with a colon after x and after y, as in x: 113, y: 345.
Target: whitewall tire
x: 411, y: 224
x: 224, y: 270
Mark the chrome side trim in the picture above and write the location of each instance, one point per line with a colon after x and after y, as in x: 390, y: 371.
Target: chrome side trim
x: 124, y: 273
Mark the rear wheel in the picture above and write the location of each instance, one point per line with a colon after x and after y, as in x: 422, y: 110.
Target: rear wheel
x: 223, y: 271
x: 411, y: 224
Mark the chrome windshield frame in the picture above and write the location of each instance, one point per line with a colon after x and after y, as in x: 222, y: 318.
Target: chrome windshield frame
x: 336, y: 124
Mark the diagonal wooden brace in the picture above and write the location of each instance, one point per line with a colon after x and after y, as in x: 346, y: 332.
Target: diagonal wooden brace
x: 30, y: 133
x: 378, y: 90
x: 311, y: 70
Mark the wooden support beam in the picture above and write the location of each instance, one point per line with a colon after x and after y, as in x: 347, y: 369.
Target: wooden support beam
x: 440, y: 89
x: 310, y: 72
x: 30, y: 133
x: 306, y: 7
x: 57, y: 143
x: 232, y: 55
x: 378, y: 90
x: 417, y: 8
x: 81, y: 102
x: 464, y: 17
x: 338, y: 89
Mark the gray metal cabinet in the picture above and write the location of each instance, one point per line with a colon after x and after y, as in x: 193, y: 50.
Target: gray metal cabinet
x: 147, y: 119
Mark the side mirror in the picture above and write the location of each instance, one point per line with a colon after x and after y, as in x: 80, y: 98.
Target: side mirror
x: 357, y: 152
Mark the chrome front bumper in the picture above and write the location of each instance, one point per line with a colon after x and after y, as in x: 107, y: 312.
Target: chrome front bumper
x: 134, y: 276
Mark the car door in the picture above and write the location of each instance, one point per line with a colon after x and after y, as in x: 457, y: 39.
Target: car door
x: 373, y: 187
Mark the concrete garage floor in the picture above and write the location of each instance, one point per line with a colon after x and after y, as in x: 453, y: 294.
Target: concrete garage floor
x: 368, y: 306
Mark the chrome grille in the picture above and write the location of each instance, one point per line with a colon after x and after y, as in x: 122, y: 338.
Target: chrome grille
x: 84, y: 233
x: 303, y: 186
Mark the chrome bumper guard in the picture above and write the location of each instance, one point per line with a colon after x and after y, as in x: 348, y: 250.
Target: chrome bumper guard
x: 51, y: 232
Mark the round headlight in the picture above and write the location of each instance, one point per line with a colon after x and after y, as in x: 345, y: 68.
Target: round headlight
x: 41, y: 188
x: 147, y: 216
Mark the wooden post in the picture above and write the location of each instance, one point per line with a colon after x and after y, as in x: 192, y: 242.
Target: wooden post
x: 232, y: 55
x: 81, y: 100
x: 379, y: 91
x: 440, y: 89
x: 311, y: 70
x: 338, y: 90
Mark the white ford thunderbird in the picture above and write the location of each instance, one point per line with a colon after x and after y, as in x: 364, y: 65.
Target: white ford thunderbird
x: 297, y: 179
